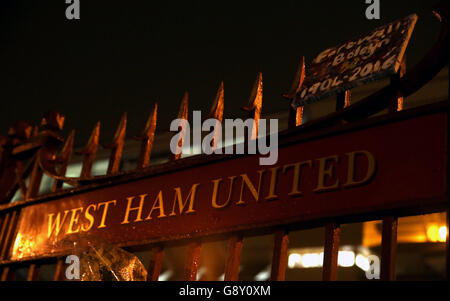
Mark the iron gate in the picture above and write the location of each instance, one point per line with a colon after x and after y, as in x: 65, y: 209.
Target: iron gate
x: 29, y: 153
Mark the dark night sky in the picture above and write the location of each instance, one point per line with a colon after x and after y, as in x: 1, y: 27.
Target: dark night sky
x: 126, y: 55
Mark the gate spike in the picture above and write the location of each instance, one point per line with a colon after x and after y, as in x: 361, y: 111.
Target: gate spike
x: 66, y: 151
x: 298, y: 81
x: 147, y: 138
x: 296, y: 114
x: 255, y: 104
x: 117, y: 146
x: 218, y: 104
x: 64, y: 158
x: 182, y: 114
x: 217, y: 113
x: 89, y: 152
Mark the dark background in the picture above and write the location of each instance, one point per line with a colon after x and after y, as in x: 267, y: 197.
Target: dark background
x: 126, y: 55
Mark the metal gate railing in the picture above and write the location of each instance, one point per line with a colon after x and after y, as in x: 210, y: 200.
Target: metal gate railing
x: 28, y: 153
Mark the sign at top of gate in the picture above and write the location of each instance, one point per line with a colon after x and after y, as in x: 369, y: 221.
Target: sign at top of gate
x: 369, y: 57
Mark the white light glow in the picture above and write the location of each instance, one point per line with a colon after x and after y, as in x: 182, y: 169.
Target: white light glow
x: 443, y: 234
x: 165, y: 276
x: 311, y: 260
x: 294, y: 260
x: 263, y: 275
x: 362, y: 262
x: 346, y: 258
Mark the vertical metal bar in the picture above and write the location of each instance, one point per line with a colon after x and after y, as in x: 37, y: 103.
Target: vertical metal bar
x: 8, y: 237
x: 7, y: 274
x: 296, y: 117
x: 331, y: 252
x: 59, y: 270
x: 3, y: 230
x: 389, y: 235
x: 33, y: 272
x: 154, y: 267
x: 388, y: 248
x: 279, y: 258
x: 192, y: 261
x: 117, y: 146
x: 343, y: 100
x: 233, y: 258
x: 396, y: 104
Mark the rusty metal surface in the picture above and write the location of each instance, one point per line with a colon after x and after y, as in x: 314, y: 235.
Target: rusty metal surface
x: 280, y: 255
x: 255, y: 105
x: 331, y: 251
x: 90, y: 151
x: 155, y: 264
x: 116, y: 146
x: 182, y: 114
x: 389, y: 248
x: 234, y: 252
x: 147, y: 139
x: 394, y: 185
x: 192, y: 261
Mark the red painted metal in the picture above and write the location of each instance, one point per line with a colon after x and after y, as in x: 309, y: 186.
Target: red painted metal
x: 280, y: 255
x: 331, y: 251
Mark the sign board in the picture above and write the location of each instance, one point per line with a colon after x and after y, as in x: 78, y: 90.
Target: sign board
x: 343, y: 173
x: 369, y: 57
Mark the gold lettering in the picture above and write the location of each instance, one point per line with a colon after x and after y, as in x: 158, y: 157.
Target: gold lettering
x: 105, y: 211
x: 180, y: 203
x: 273, y: 182
x: 351, y: 181
x: 324, y: 171
x: 57, y: 224
x: 89, y: 217
x: 250, y: 186
x: 74, y: 220
x: 297, y: 176
x: 216, y: 189
x: 129, y: 208
x: 159, y: 200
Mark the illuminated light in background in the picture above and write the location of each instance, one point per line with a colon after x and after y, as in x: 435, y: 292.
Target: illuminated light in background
x: 165, y: 276
x: 437, y: 234
x: 201, y: 271
x: 362, y: 262
x: 263, y: 275
x: 433, y: 233
x: 346, y: 259
x: 311, y: 260
x: 443, y: 234
x: 294, y: 260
